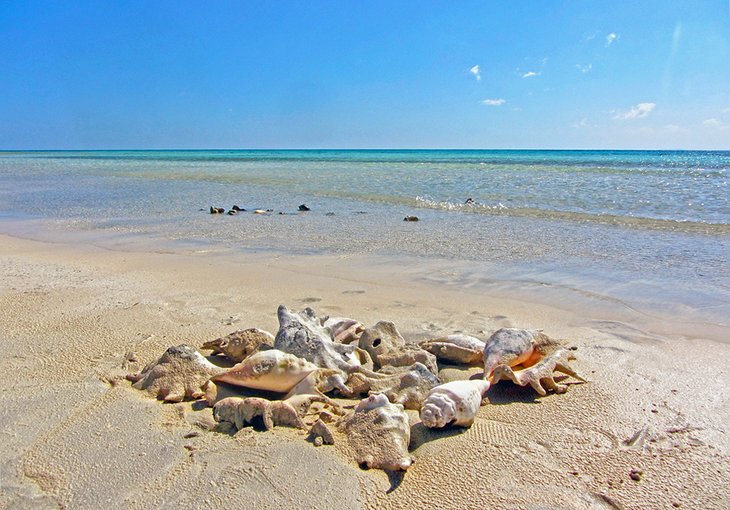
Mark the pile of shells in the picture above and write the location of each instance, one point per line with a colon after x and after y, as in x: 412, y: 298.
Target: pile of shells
x: 291, y: 379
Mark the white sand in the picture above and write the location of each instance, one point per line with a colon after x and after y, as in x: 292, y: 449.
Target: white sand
x: 71, y: 439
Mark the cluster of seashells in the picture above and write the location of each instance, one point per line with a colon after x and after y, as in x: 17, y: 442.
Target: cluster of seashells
x: 292, y: 378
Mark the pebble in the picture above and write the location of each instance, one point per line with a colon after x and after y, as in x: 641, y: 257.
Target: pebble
x: 635, y: 474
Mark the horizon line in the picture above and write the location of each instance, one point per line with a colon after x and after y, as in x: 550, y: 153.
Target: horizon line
x: 381, y: 149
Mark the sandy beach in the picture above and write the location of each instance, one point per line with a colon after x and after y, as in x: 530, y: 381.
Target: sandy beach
x: 76, y: 435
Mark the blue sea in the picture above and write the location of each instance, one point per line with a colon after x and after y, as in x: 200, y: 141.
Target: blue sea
x: 629, y: 224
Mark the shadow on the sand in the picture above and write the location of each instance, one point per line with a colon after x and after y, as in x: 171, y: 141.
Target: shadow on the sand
x: 420, y: 434
x: 504, y: 392
x: 395, y: 478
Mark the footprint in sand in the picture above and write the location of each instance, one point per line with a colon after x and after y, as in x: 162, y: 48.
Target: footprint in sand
x: 311, y: 300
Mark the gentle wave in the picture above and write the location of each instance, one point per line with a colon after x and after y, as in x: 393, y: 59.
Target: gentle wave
x: 695, y: 227
x: 631, y: 160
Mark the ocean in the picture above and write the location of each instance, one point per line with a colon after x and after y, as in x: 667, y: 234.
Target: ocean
x: 648, y: 228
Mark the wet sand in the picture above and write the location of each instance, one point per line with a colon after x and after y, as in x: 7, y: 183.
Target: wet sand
x: 76, y: 435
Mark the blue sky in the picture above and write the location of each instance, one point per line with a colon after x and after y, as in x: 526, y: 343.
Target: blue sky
x: 509, y: 74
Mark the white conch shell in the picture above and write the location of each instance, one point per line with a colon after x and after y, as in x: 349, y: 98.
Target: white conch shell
x: 453, y: 403
x: 271, y: 370
x: 379, y: 432
x: 457, y: 348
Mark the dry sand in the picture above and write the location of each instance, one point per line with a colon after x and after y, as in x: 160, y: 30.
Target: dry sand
x: 72, y: 439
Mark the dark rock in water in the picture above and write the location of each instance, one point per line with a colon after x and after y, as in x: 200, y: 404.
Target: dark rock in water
x: 217, y: 210
x: 411, y: 218
x: 238, y: 209
x: 232, y: 212
x: 303, y: 208
x: 329, y: 214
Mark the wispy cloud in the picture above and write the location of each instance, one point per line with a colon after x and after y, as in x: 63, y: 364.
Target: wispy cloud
x: 476, y: 72
x: 582, y: 124
x: 584, y: 68
x: 714, y: 123
x: 611, y: 38
x: 639, y: 111
x: 675, y: 129
x: 494, y: 102
x: 530, y: 74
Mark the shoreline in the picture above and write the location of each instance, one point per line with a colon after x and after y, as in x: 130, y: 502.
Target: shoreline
x: 679, y: 310
x: 655, y: 401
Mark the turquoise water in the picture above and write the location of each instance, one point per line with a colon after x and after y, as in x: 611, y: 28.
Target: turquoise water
x: 641, y: 219
x: 604, y: 186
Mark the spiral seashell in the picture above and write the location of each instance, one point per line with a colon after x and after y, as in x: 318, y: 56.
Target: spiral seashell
x: 453, y: 403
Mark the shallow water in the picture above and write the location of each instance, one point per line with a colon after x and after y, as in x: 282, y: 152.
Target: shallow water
x: 651, y: 228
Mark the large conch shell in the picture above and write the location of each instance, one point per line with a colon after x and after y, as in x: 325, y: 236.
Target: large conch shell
x: 540, y: 375
x: 240, y: 344
x: 379, y: 433
x: 302, y: 334
x: 181, y: 372
x: 457, y: 348
x: 512, y: 347
x: 271, y: 370
x: 453, y: 403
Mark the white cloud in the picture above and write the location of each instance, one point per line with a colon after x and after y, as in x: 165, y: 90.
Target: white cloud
x: 476, y: 72
x: 639, y: 111
x: 530, y: 74
x: 582, y: 124
x: 675, y: 129
x: 584, y: 68
x: 714, y: 123
x: 611, y: 38
x: 494, y: 102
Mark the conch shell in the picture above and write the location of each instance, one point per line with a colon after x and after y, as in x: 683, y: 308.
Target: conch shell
x: 271, y: 370
x: 240, y: 344
x: 379, y: 433
x: 302, y: 334
x: 180, y: 373
x: 457, y: 348
x: 453, y: 403
x: 540, y: 375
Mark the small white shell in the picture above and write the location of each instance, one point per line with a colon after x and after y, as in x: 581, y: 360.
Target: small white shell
x: 453, y: 403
